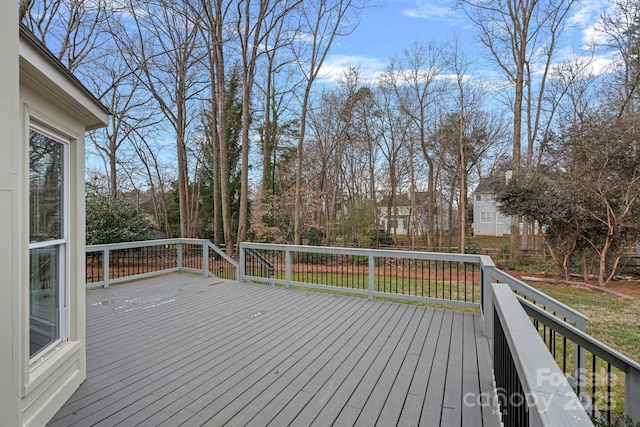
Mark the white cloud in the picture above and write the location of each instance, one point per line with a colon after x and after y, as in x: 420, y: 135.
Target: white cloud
x: 585, y: 18
x: 602, y: 64
x: 430, y: 9
x: 586, y: 12
x: 592, y: 37
x: 334, y: 67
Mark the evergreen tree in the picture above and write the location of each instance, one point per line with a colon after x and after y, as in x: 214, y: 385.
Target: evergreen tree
x: 113, y: 219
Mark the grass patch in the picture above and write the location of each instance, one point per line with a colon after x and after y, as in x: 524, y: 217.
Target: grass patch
x: 613, y: 321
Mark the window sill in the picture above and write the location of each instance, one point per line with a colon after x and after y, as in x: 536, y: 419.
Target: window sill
x: 41, y: 370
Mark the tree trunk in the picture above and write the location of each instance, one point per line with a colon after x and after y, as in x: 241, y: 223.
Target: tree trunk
x: 297, y: 227
x: 183, y: 183
x: 216, y: 168
x: 225, y: 200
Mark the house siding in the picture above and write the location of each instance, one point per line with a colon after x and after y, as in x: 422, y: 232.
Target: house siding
x: 35, y: 89
x: 11, y: 242
x: 499, y: 225
x: 46, y: 387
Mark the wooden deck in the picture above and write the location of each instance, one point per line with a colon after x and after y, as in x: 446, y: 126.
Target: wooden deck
x: 185, y: 350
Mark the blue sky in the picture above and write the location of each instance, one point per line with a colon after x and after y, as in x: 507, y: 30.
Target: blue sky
x: 385, y: 30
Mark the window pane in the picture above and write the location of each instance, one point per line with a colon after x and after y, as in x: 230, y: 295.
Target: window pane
x: 44, y: 297
x: 45, y: 184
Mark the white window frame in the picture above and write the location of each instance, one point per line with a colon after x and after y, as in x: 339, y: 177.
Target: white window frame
x: 483, y: 217
x: 63, y: 244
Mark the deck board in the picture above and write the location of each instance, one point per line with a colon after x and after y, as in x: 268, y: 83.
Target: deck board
x: 186, y: 350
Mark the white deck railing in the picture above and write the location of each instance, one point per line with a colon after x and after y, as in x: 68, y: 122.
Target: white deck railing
x: 119, y: 262
x: 531, y: 388
x: 434, y: 277
x: 538, y: 342
x: 465, y: 281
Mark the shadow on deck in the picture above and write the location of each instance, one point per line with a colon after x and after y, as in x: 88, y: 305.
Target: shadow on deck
x: 186, y: 350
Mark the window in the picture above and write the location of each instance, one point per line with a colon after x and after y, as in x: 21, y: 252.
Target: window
x: 485, y: 217
x: 393, y: 223
x: 48, y: 245
x: 478, y: 198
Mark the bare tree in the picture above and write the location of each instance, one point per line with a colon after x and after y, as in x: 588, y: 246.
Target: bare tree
x: 522, y: 37
x: 414, y: 78
x: 392, y: 142
x: 472, y: 133
x: 164, y: 48
x: 322, y: 22
x: 149, y: 156
x: 277, y: 90
x: 72, y: 29
x: 214, y: 16
x: 121, y: 91
x: 254, y: 26
x: 621, y: 27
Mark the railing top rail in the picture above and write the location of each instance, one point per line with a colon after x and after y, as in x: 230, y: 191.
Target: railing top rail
x: 129, y: 245
x: 145, y: 243
x: 531, y: 356
x: 204, y: 244
x: 484, y: 261
x: 581, y: 338
x: 435, y: 256
x: 192, y: 241
x: 539, y: 296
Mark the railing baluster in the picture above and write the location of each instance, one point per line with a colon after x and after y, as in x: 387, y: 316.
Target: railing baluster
x: 609, y: 403
x: 443, y: 280
x: 593, y: 386
x: 473, y: 283
x: 105, y: 267
x: 450, y: 279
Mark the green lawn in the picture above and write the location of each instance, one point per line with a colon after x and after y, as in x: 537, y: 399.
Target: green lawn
x: 612, y: 320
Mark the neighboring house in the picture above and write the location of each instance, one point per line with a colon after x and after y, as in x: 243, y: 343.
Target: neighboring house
x: 400, y: 220
x: 44, y: 114
x: 487, y: 219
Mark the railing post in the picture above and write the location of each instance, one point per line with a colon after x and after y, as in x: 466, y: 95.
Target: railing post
x: 179, y: 249
x: 287, y: 267
x: 372, y: 276
x: 631, y: 393
x: 487, y: 299
x: 242, y: 270
x: 205, y: 258
x: 105, y: 267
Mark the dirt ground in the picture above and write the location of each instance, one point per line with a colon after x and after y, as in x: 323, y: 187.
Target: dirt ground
x: 625, y: 286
